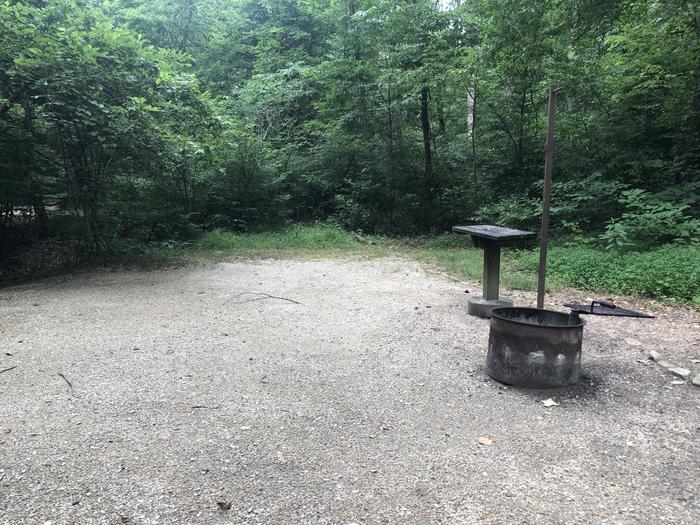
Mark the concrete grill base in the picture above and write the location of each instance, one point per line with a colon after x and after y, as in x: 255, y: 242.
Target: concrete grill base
x: 481, y: 307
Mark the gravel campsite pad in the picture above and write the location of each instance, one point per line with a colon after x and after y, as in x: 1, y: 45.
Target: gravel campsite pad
x: 331, y: 392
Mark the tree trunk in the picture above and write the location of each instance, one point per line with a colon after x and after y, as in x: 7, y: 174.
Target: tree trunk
x: 427, y: 153
x: 473, y: 137
x: 185, y: 25
x: 36, y: 200
x: 442, y: 125
x: 35, y: 195
x: 520, y: 154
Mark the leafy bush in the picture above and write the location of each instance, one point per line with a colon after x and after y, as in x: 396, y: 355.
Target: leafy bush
x: 219, y: 221
x: 580, y: 204
x: 349, y: 213
x: 584, y: 203
x: 513, y: 212
x: 670, y: 272
x: 297, y: 237
x: 159, y: 224
x: 649, y: 222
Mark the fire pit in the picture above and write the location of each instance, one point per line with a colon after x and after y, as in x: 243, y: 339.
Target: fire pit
x: 533, y: 348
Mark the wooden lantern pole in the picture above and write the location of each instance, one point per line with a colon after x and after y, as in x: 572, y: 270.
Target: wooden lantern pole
x: 548, y: 160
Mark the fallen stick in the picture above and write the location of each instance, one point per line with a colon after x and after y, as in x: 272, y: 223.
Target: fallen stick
x: 264, y: 296
x: 69, y: 383
x: 7, y: 369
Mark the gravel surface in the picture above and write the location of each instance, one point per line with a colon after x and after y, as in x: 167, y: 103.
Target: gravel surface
x: 331, y: 392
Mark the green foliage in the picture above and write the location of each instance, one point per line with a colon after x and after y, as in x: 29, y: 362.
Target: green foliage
x: 300, y: 237
x: 648, y: 222
x: 106, y: 119
x: 513, y: 212
x: 455, y: 254
x: 446, y: 241
x: 670, y: 272
x: 459, y: 262
x: 149, y: 121
x: 667, y: 273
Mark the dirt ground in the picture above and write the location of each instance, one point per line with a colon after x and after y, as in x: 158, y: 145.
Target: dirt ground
x: 326, y: 392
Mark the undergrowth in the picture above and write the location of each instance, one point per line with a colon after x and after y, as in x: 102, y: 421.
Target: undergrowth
x: 670, y: 273
x: 299, y: 237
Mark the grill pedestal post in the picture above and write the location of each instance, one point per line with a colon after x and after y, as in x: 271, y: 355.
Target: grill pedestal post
x: 491, y: 239
x: 481, y: 306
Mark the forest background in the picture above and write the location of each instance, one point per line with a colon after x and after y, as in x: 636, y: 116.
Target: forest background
x: 127, y: 126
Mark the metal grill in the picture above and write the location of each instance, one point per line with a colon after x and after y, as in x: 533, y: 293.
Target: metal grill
x: 605, y: 308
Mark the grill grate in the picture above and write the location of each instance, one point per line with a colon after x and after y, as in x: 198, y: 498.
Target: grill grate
x: 606, y: 308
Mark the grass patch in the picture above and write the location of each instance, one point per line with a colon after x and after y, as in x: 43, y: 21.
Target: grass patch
x: 469, y: 262
x: 667, y: 273
x: 670, y: 273
x: 296, y: 238
x: 455, y: 254
x: 299, y: 241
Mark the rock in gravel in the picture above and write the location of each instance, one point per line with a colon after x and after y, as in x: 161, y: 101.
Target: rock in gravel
x: 696, y: 380
x: 680, y: 372
x: 655, y: 356
x: 665, y: 364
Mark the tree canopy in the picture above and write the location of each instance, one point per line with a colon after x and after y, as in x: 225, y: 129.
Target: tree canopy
x: 155, y: 119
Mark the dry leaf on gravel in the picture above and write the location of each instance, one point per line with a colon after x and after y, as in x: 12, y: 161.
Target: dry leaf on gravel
x: 485, y: 440
x: 550, y: 403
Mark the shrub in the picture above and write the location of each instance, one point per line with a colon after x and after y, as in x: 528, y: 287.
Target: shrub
x: 297, y: 237
x: 649, y: 222
x: 669, y: 272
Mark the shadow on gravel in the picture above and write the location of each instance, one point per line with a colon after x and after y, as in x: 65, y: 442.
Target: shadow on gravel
x: 589, y: 387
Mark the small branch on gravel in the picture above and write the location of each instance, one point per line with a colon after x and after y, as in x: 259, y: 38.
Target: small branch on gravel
x: 68, y: 382
x: 217, y: 407
x: 7, y: 369
x: 361, y: 239
x: 262, y: 298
